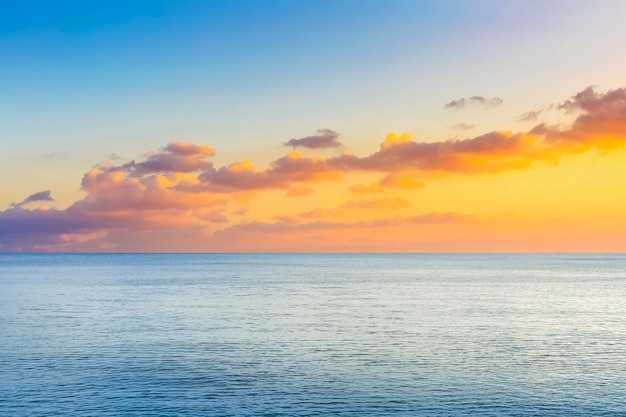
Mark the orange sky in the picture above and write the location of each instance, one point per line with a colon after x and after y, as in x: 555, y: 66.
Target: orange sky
x: 556, y: 188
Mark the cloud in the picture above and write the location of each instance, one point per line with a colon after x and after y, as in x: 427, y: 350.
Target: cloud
x: 474, y: 100
x: 318, y: 213
x: 175, y: 157
x: 211, y: 215
x: 327, y: 138
x: 285, y: 226
x: 405, y: 181
x: 530, y: 116
x: 282, y: 173
x: 601, y: 122
x: 115, y: 200
x: 188, y: 149
x: 380, y: 235
x: 348, y: 208
x: 462, y: 126
x: 491, y: 152
x: 241, y: 211
x: 114, y: 191
x: 601, y: 125
x: 17, y: 220
x: 177, y: 192
x: 40, y: 196
x: 455, y: 104
x: 482, y: 101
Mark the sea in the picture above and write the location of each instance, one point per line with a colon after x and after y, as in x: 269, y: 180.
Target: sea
x: 312, y: 335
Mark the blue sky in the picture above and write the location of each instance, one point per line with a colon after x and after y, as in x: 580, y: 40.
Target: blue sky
x: 80, y: 81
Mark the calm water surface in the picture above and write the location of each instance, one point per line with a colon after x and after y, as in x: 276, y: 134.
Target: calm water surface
x: 304, y: 335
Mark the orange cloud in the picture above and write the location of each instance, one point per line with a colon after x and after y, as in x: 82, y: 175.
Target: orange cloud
x: 401, y: 180
x: 283, y: 172
x: 492, y: 152
x: 601, y: 123
x: 110, y: 191
x: 211, y: 215
x: 177, y: 191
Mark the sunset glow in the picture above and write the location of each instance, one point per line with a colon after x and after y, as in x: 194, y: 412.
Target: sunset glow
x: 479, y: 164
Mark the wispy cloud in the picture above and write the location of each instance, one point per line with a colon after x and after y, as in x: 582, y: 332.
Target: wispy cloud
x: 326, y: 138
x: 462, y: 126
x: 485, y: 102
x: 36, y: 197
x: 282, y: 226
x: 530, y: 116
x: 455, y: 104
x: 479, y: 101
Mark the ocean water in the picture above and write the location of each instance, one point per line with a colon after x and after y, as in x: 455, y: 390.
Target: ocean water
x: 312, y: 335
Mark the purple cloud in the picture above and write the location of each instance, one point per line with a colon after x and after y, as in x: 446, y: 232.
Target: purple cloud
x: 327, y: 138
x: 40, y: 196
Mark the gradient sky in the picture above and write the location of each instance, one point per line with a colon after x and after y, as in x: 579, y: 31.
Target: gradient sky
x: 313, y: 126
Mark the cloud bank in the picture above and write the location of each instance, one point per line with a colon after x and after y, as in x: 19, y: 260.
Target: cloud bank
x: 178, y: 195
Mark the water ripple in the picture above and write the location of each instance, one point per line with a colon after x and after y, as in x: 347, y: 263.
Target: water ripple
x: 313, y: 335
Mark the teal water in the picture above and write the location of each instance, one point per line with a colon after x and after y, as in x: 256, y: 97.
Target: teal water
x: 313, y: 335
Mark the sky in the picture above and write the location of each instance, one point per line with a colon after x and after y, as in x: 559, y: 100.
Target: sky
x: 313, y: 126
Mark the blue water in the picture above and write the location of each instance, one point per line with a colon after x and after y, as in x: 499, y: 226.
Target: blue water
x: 305, y: 335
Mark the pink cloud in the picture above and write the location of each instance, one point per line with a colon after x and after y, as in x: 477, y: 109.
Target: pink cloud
x: 283, y: 172
x: 175, y: 157
x: 178, y: 190
x: 503, y: 149
x: 401, y: 180
x: 601, y: 123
